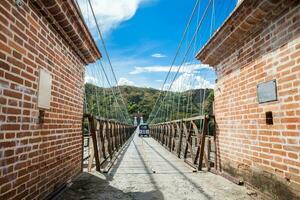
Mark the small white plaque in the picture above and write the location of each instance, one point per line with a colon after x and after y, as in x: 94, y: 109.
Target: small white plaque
x: 44, y: 90
x: 267, y: 91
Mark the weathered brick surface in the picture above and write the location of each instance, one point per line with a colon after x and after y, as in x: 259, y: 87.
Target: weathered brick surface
x: 36, y: 159
x: 259, y: 42
x: 247, y: 147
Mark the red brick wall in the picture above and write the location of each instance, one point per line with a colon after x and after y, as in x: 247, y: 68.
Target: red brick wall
x: 249, y: 148
x: 35, y: 159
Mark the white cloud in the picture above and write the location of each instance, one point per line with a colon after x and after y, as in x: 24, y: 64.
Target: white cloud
x: 158, y: 55
x: 186, y: 68
x: 125, y: 81
x: 189, y: 81
x: 188, y: 77
x: 90, y: 79
x: 109, y: 13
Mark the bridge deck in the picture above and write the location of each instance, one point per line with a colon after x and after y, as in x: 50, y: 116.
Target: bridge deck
x: 132, y: 177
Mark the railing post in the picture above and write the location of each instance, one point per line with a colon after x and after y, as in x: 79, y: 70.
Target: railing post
x: 170, y: 136
x: 95, y: 145
x: 121, y: 134
x: 208, y: 151
x: 102, y: 139
x: 126, y: 132
x: 116, y: 135
x: 187, y: 135
x: 113, y: 134
x: 164, y: 134
x: 173, y: 133
x: 180, y: 139
x: 204, y: 133
x: 109, y: 145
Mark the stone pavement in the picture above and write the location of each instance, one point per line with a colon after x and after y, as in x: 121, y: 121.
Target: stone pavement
x: 133, y: 177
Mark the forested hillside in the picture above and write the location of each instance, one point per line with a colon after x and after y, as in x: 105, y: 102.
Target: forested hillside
x: 140, y: 101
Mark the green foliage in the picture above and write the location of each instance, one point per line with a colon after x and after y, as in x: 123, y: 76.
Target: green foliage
x: 208, y: 104
x: 140, y: 101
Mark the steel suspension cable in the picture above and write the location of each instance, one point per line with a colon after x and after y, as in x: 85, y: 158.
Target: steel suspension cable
x: 189, y: 47
x: 174, y: 93
x: 109, y: 84
x: 176, y: 53
x: 88, y: 20
x: 108, y: 57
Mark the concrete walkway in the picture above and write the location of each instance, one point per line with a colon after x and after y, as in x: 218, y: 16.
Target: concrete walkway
x: 132, y: 177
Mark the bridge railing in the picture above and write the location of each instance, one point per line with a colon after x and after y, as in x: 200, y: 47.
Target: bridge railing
x: 192, y: 139
x: 106, y: 137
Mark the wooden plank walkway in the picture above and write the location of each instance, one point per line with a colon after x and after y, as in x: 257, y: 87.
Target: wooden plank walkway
x: 133, y: 177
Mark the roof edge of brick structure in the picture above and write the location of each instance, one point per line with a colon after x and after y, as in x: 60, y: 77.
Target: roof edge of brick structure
x: 247, y: 18
x: 67, y: 20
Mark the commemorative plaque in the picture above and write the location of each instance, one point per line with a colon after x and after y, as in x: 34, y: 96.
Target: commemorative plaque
x: 267, y: 91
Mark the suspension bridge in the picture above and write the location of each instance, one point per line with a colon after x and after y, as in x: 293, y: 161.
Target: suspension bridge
x: 223, y: 125
x: 183, y: 144
x: 121, y: 165
x: 146, y: 169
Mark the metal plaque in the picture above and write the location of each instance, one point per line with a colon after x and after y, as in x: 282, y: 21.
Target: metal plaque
x: 267, y: 91
x: 44, y: 89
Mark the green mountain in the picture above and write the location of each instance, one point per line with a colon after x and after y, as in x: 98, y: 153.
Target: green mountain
x: 140, y: 102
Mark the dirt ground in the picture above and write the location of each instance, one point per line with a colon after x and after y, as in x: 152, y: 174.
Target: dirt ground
x: 133, y: 177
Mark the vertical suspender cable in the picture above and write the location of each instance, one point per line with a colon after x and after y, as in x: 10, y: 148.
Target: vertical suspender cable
x: 190, y: 44
x: 107, y: 55
x: 176, y: 54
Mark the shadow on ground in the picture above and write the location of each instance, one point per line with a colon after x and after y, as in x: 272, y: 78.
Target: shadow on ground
x: 195, y: 185
x: 139, y: 172
x: 95, y: 186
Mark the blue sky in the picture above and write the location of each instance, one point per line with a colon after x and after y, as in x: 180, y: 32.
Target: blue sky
x: 142, y: 37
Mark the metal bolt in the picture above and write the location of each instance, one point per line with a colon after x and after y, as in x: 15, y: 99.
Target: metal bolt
x: 19, y: 3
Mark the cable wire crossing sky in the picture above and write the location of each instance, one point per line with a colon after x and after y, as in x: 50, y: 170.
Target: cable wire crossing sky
x: 142, y: 36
